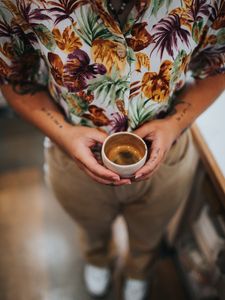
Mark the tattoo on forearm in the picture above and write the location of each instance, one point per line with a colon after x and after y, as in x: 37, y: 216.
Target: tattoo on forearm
x: 172, y: 110
x: 182, y: 113
x: 179, y: 114
x: 54, y: 120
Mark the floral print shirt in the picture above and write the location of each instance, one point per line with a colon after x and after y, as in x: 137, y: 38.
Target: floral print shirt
x: 103, y: 75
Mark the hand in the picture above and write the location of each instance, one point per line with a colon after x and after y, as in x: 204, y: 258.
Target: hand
x: 161, y: 134
x: 78, y: 143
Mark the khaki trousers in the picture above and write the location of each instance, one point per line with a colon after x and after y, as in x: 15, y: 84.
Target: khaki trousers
x: 146, y: 206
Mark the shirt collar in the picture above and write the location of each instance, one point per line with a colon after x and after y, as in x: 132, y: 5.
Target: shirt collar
x: 138, y: 9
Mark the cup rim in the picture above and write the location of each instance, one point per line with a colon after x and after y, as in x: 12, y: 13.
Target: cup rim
x: 125, y: 133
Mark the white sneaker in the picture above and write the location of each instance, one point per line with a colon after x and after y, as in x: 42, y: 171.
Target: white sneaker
x: 135, y: 289
x: 97, y: 280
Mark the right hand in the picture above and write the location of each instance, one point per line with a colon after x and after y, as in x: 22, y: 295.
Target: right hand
x: 78, y: 142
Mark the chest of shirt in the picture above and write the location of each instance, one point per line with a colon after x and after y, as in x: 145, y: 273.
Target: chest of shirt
x: 103, y: 76
x: 158, y: 35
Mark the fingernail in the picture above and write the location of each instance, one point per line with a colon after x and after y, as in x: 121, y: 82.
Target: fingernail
x: 138, y: 176
x: 116, y: 178
x: 129, y: 182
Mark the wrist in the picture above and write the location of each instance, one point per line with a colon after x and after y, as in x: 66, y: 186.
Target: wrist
x: 175, y: 127
x: 67, y: 135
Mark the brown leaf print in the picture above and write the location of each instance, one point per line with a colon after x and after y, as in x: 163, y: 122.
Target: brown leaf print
x: 56, y: 67
x: 141, y: 5
x: 97, y: 116
x: 86, y: 97
x: 120, y: 106
x: 134, y: 89
x: 219, y: 15
x: 7, y: 50
x: 18, y: 18
x: 110, y: 54
x: 210, y: 40
x: 141, y: 37
x: 106, y: 17
x: 219, y: 23
x: 165, y: 70
x: 188, y: 3
x: 184, y: 16
x: 142, y: 60
x: 67, y: 41
x: 5, y: 70
x: 155, y: 86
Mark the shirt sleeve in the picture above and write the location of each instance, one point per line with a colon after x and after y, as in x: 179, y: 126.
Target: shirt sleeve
x: 208, y: 58
x: 21, y: 62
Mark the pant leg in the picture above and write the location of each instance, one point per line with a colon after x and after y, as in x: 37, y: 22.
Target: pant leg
x: 148, y: 216
x: 90, y: 204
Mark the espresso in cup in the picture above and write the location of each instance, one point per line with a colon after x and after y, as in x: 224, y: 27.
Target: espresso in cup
x: 124, y: 153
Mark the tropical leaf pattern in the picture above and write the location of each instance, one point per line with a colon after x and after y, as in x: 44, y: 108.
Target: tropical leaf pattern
x: 45, y: 36
x: 67, y: 41
x: 157, y: 4
x: 103, y: 75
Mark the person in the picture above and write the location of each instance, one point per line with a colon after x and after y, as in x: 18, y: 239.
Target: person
x: 81, y: 70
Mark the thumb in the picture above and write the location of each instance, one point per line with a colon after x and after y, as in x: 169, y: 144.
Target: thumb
x: 99, y: 136
x: 143, y: 130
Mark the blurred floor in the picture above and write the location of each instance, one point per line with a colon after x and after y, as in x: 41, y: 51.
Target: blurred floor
x: 39, y: 250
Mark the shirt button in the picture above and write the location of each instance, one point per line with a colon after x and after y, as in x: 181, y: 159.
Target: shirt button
x: 121, y: 51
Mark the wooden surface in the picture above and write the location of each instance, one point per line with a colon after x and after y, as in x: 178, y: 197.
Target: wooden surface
x: 212, y: 127
x: 210, y: 163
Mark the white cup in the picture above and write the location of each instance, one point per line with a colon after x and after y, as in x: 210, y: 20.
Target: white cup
x: 128, y: 145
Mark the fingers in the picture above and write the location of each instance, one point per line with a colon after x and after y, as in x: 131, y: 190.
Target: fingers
x: 147, y: 176
x: 87, y: 158
x: 144, y: 131
x: 98, y: 136
x: 156, y: 156
x: 88, y: 163
x: 99, y: 173
x: 101, y: 180
x: 96, y: 178
x: 159, y: 137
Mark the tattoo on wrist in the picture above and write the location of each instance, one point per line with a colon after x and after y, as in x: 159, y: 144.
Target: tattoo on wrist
x: 54, y: 120
x: 182, y: 113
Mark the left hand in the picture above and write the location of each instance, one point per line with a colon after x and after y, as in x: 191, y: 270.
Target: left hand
x: 161, y: 134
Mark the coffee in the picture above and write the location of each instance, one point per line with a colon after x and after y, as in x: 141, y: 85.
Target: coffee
x: 124, y: 154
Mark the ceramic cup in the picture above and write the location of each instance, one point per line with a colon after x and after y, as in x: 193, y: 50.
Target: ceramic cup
x: 124, y: 153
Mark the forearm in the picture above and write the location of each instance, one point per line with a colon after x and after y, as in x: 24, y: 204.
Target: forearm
x: 194, y: 100
x: 162, y: 133
x: 40, y: 110
x: 76, y: 141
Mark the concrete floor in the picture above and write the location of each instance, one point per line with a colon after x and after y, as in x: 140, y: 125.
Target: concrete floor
x: 39, y: 249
